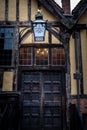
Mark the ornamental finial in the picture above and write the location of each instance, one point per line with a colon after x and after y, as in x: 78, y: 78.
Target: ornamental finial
x: 39, y: 11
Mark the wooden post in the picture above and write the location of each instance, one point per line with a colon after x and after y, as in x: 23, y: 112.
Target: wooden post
x: 77, y: 75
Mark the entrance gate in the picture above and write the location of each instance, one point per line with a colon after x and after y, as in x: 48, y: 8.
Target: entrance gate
x: 43, y: 100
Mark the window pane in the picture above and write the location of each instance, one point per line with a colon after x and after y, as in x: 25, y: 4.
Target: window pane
x: 1, y: 44
x: 2, y: 32
x: 41, y: 56
x: 5, y: 57
x: 25, y: 56
x: 58, y: 56
x: 6, y: 46
x: 8, y: 32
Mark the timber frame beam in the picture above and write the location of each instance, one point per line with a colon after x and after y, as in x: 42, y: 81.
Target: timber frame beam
x: 56, y: 34
x: 57, y: 12
x: 51, y: 28
x: 22, y: 37
x: 79, y: 10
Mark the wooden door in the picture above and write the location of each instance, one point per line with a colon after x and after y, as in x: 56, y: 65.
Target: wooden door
x: 43, y: 101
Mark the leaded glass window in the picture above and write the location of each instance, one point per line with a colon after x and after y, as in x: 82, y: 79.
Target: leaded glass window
x: 42, y: 56
x: 57, y: 56
x: 25, y: 56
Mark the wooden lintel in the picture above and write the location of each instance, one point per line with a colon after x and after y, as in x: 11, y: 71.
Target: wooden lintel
x: 81, y: 26
x: 27, y: 23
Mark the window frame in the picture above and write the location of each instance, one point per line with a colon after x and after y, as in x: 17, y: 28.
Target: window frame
x: 42, y: 46
x: 9, y: 48
x: 1, y: 78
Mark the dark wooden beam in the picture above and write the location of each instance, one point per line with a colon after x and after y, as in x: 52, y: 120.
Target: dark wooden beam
x: 6, y: 10
x: 81, y: 96
x: 57, y: 12
x: 15, y: 23
x: 80, y: 26
x: 29, y: 10
x: 57, y: 35
x: 1, y: 78
x: 78, y: 59
x: 49, y: 24
x: 51, y: 8
x: 49, y: 37
x: 39, y: 5
x: 80, y: 64
x: 27, y: 23
x: 21, y: 38
x: 41, y: 45
x: 79, y: 10
x: 17, y: 10
x: 34, y: 68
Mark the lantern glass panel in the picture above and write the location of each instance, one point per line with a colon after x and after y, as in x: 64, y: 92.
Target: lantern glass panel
x: 39, y: 31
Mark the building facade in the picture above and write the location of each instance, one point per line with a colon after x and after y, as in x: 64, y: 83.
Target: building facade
x: 40, y: 81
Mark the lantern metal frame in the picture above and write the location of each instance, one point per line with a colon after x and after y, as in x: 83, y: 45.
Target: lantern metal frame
x: 39, y: 27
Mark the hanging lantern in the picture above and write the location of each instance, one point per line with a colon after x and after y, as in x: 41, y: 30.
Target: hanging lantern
x: 39, y: 27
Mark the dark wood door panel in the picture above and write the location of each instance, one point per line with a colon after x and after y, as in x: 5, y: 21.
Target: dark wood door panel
x: 42, y: 100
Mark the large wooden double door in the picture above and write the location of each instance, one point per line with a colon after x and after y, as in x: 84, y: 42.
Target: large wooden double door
x: 43, y: 101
